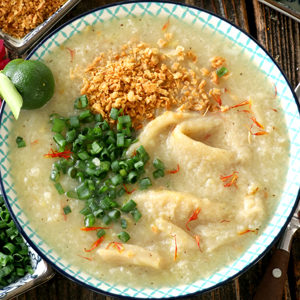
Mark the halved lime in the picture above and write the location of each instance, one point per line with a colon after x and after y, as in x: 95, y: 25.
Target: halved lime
x: 11, y: 95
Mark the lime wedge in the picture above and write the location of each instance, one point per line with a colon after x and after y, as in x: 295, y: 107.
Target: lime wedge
x: 11, y: 96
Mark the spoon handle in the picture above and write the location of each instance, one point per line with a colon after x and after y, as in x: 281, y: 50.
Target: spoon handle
x: 272, y: 284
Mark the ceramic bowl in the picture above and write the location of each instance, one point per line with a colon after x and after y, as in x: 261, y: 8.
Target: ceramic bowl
x: 251, y: 50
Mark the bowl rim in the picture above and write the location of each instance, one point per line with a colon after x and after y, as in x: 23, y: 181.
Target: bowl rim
x: 206, y: 290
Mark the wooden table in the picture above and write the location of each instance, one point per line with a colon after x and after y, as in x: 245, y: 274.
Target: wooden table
x: 281, y: 37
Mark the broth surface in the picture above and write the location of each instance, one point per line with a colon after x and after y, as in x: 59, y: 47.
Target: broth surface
x: 205, y: 147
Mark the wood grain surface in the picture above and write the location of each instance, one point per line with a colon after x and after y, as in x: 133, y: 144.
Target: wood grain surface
x: 280, y: 35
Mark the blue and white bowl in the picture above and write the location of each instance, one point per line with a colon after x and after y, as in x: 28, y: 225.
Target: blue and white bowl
x: 252, y: 51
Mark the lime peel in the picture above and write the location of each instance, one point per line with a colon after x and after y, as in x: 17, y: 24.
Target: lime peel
x: 11, y: 95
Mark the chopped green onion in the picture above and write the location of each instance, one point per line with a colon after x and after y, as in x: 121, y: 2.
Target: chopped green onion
x: 121, y: 192
x: 71, y: 136
x: 158, y: 164
x: 96, y: 148
x: 145, y: 183
x: 112, y: 193
x: 98, y: 118
x: 119, y: 127
x: 85, y: 211
x: 67, y: 210
x: 114, y: 214
x: 89, y: 220
x: 100, y: 233
x: 83, y: 155
x: 60, y: 140
x: 83, y: 192
x: 81, y: 102
x: 136, y: 214
x: 54, y: 176
x: 105, y: 203
x: 80, y: 176
x: 72, y: 194
x: 123, y: 223
x: 158, y: 173
x: 120, y: 140
x: 85, y: 114
x: 74, y: 122
x: 105, y: 125
x: 59, y: 188
x: 114, y: 113
x: 221, y: 72
x: 106, y: 219
x: 20, y: 142
x: 72, y: 172
x: 129, y: 206
x: 124, y: 119
x: 116, y: 180
x: 127, y: 143
x: 133, y: 177
x: 115, y: 166
x: 134, y: 141
x: 58, y: 125
x: 139, y: 165
x: 123, y: 173
x: 123, y: 236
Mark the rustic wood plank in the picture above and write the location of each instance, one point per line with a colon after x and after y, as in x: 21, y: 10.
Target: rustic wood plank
x: 280, y: 35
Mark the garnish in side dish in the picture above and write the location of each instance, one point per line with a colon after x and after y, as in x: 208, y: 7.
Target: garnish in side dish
x: 14, y: 259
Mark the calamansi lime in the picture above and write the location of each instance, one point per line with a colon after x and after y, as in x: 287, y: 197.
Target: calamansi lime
x: 34, y: 81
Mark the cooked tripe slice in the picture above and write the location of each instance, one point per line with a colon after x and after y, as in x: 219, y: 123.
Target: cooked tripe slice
x: 131, y: 255
x: 180, y: 139
x: 215, y: 235
x: 185, y: 242
x: 168, y: 119
x: 177, y: 206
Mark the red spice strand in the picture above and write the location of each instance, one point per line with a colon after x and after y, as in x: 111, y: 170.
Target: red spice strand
x: 193, y: 217
x: 245, y: 111
x: 224, y: 178
x: 274, y: 109
x: 256, y: 123
x: 208, y: 136
x: 52, y: 154
x: 225, y: 221
x: 275, y: 87
x: 117, y: 245
x: 217, y: 99
x: 232, y: 182
x: 166, y: 25
x: 261, y: 132
x: 72, y: 52
x: 94, y: 228
x: 96, y: 244
x: 248, y: 101
x: 198, y: 241
x: 248, y: 230
x: 35, y: 142
x: 85, y: 257
x: 174, y: 171
x: 175, y: 254
x: 127, y: 190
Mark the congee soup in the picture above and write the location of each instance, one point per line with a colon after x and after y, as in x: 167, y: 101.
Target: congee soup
x: 160, y: 158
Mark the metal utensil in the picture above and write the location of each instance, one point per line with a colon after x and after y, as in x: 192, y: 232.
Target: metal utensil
x: 272, y: 284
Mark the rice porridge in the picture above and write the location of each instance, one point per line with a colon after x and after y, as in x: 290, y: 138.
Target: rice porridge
x: 222, y: 138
